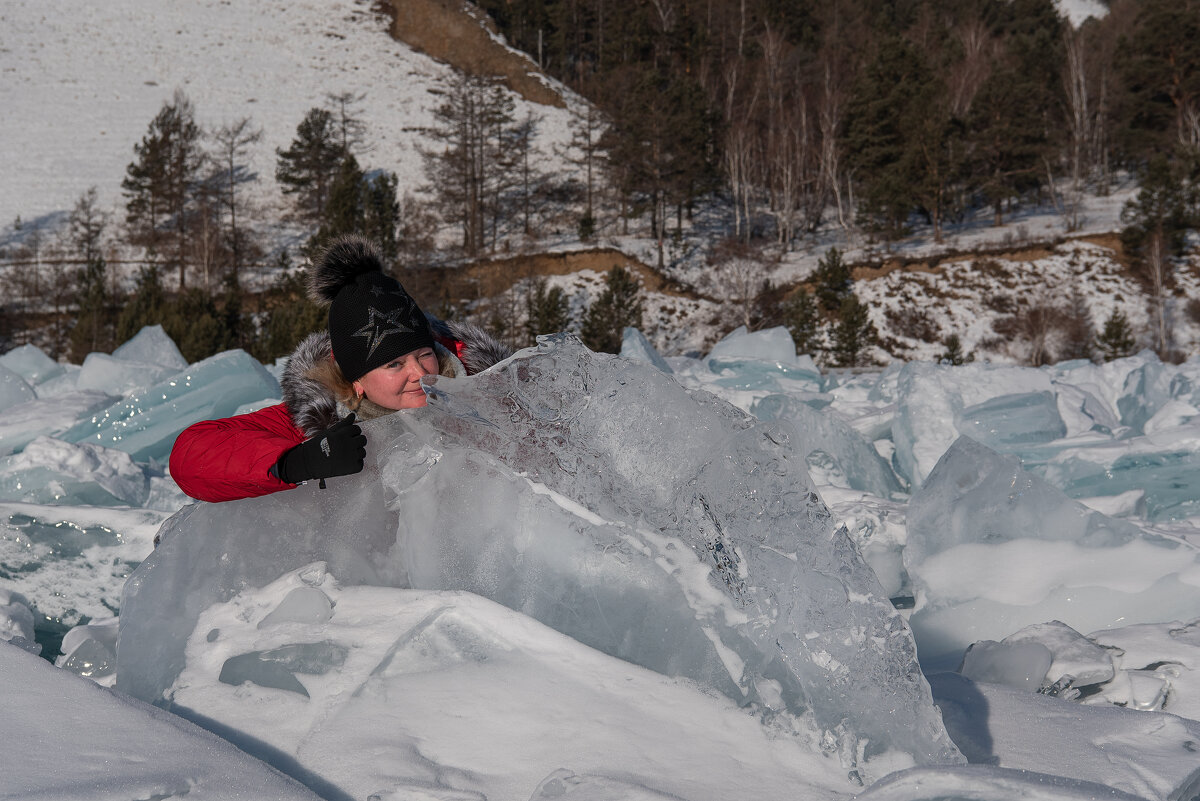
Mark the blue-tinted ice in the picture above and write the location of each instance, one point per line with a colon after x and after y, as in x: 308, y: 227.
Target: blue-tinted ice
x: 598, y: 496
x: 145, y: 425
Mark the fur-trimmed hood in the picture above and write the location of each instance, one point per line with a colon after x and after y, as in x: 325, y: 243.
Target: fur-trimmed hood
x: 317, y: 395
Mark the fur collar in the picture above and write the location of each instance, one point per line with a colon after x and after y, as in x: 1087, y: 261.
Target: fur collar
x: 317, y: 395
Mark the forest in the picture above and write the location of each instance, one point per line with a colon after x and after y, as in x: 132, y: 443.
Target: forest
x: 778, y: 118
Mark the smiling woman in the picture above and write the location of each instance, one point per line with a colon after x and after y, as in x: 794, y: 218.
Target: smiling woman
x: 397, y: 384
x: 370, y: 363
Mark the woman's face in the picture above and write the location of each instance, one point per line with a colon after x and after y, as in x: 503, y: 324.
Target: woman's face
x: 397, y: 384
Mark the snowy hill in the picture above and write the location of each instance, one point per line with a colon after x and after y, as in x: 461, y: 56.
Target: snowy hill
x: 80, y: 86
x: 81, y: 83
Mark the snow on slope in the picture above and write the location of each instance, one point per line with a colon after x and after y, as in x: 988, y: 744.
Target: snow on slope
x: 1077, y: 11
x: 79, y: 83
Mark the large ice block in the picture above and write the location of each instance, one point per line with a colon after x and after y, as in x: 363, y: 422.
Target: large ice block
x: 993, y: 548
x: 151, y: 345
x: 46, y: 416
x: 67, y: 739
x: 53, y: 472
x: 634, y: 345
x: 14, y: 390
x: 598, y: 496
x: 497, y: 702
x: 768, y: 345
x: 1009, y: 407
x: 31, y: 364
x: 146, y: 425
x: 834, y: 446
x: 103, y: 373
x: 762, y: 360
x: 1164, y: 467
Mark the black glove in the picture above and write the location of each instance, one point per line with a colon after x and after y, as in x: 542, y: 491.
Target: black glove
x: 337, y: 451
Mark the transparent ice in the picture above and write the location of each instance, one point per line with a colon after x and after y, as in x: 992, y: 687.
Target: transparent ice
x: 634, y: 345
x: 1010, y: 408
x: 53, y: 472
x: 120, y: 377
x: 16, y: 621
x: 20, y: 425
x: 90, y: 650
x: 151, y: 345
x: 992, y: 548
x: 762, y: 360
x: 13, y: 389
x: 1077, y: 658
x: 1014, y: 664
x: 655, y: 524
x: 32, y: 364
x: 1164, y: 467
x: 822, y: 432
x: 145, y: 425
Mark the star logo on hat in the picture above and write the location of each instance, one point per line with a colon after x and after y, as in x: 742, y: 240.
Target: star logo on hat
x: 376, y: 330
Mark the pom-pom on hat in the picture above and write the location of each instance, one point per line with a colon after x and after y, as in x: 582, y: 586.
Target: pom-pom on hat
x: 372, y: 320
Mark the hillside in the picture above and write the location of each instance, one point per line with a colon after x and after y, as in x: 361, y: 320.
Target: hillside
x: 82, y: 83
x: 80, y: 87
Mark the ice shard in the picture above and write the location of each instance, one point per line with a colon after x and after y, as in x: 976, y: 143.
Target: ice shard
x: 600, y: 497
x: 146, y: 424
x: 993, y: 548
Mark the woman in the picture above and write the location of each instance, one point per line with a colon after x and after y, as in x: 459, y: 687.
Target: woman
x: 370, y: 363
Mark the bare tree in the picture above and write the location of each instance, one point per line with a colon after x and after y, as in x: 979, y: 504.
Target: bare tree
x: 979, y: 52
x: 470, y: 172
x: 584, y: 152
x: 1080, y: 121
x: 86, y: 226
x: 352, y: 131
x: 231, y: 143
x: 1157, y: 266
x: 829, y: 115
x: 739, y: 274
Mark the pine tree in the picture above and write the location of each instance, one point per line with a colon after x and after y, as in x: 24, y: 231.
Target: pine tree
x: 146, y: 307
x: 890, y: 119
x: 619, y: 306
x: 344, y: 209
x: 1079, y: 335
x: 161, y: 182
x: 289, y: 318
x: 833, y: 279
x: 1158, y: 60
x: 471, y: 172
x: 381, y: 214
x: 309, y: 166
x: 802, y: 321
x: 546, y: 310
x: 94, y: 324
x: 1116, y: 340
x: 194, y: 323
x: 853, y: 334
x: 1159, y: 209
x: 954, y: 352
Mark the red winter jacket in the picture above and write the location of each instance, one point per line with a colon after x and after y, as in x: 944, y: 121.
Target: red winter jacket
x: 224, y: 460
x: 231, y: 458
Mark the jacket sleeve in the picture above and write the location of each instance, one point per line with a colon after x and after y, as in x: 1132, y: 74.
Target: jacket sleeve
x: 231, y: 458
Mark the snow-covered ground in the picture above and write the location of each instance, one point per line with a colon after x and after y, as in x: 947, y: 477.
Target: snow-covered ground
x: 558, y: 620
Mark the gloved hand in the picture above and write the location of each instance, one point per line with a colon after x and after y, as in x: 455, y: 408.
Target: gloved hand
x: 337, y: 451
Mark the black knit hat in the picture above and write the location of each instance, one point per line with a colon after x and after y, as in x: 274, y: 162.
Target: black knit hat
x: 372, y: 320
